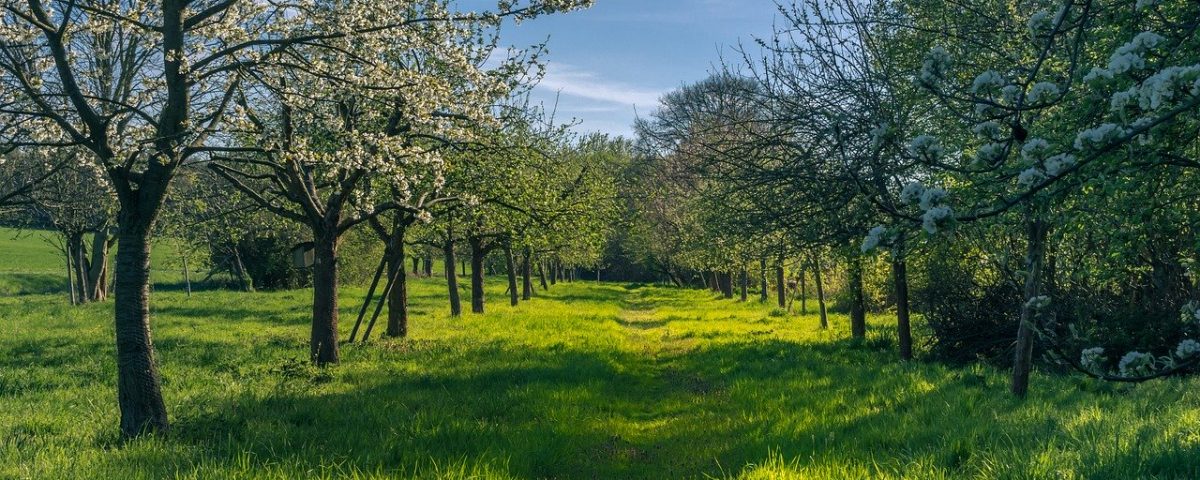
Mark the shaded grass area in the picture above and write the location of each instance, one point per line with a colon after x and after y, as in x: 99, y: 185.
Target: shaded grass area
x: 585, y: 381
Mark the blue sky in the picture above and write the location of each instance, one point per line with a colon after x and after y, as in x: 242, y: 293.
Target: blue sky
x: 623, y: 54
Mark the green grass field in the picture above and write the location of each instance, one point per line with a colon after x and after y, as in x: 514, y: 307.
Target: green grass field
x: 585, y: 381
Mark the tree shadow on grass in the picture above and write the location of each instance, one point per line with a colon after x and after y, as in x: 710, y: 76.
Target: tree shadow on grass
x: 570, y: 413
x: 14, y: 284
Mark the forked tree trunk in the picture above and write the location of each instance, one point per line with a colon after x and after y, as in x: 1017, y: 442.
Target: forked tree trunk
x: 397, y: 324
x: 511, y: 266
x: 477, y: 254
x: 1034, y: 264
x: 820, y: 293
x: 452, y: 277
x: 139, y: 391
x: 526, y: 274
x: 900, y: 283
x: 858, y: 311
x: 323, y: 342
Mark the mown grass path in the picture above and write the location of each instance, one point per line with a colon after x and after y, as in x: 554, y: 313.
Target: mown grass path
x: 585, y: 381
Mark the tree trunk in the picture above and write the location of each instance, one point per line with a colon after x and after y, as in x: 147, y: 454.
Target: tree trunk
x: 428, y: 266
x: 187, y: 276
x: 858, y: 310
x: 554, y: 273
x: 397, y: 324
x: 463, y: 265
x: 900, y: 281
x: 780, y: 285
x: 477, y: 254
x: 416, y: 265
x: 526, y: 274
x: 762, y: 281
x: 1034, y: 264
x: 820, y: 293
x: 727, y: 284
x: 745, y: 284
x: 74, y: 296
x: 323, y: 343
x: 542, y: 275
x: 139, y: 391
x: 511, y: 265
x: 803, y: 292
x: 452, y: 277
x: 239, y: 269
x: 102, y: 242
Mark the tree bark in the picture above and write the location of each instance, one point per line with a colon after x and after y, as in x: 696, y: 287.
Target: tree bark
x: 97, y: 275
x: 554, y: 271
x: 762, y: 281
x: 511, y: 265
x: 745, y: 284
x: 542, y: 275
x: 452, y: 277
x: 139, y: 390
x: 858, y: 311
x: 1034, y: 264
x: 477, y: 254
x: 727, y: 284
x: 803, y: 292
x: 397, y: 325
x: 780, y: 285
x: 820, y: 293
x: 416, y: 265
x: 323, y: 342
x: 428, y: 266
x: 900, y: 283
x: 526, y: 274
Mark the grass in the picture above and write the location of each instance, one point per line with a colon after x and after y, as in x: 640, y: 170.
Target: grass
x: 586, y: 381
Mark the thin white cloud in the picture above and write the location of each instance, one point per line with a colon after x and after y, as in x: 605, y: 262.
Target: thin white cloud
x: 581, y: 83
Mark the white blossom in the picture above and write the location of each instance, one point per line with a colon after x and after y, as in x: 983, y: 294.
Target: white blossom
x: 1187, y: 348
x: 990, y: 153
x: 911, y: 192
x: 989, y: 130
x: 1040, y: 23
x: 925, y: 146
x: 934, y: 66
x: 987, y: 82
x: 1128, y: 57
x: 1167, y: 85
x: 1097, y: 73
x: 1058, y: 164
x: 1031, y: 177
x: 1042, y: 92
x: 1136, y: 364
x: 873, y: 239
x: 1092, y: 358
x: 935, y: 217
x: 1035, y: 149
x: 932, y: 197
x: 1098, y: 136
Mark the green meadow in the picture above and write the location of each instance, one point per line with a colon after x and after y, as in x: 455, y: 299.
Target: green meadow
x: 587, y: 380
